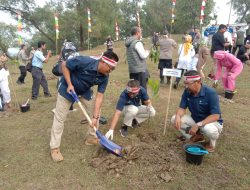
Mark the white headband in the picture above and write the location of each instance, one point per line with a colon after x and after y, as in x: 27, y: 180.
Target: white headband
x: 133, y: 90
x: 192, y: 78
x: 110, y: 62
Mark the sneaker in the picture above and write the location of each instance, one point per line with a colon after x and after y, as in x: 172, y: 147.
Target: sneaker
x: 168, y: 81
x: 18, y: 82
x: 124, y: 131
x: 34, y: 98
x: 175, y: 86
x: 135, y: 124
x: 211, y: 77
x: 47, y: 95
x: 197, y: 138
x: 162, y: 81
x: 209, y: 148
x: 92, y: 141
x: 56, y: 155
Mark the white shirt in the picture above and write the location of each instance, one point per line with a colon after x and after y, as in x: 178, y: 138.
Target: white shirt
x: 141, y: 51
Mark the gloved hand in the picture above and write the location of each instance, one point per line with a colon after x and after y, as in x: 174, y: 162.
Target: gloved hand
x: 109, y: 134
x: 215, y: 84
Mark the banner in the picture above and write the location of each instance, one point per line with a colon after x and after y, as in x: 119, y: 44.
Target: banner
x: 19, y: 28
x: 56, y: 26
x: 89, y: 21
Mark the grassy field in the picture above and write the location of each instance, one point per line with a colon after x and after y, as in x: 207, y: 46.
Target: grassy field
x: 25, y: 161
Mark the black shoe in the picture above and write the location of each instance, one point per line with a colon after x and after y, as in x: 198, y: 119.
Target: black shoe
x: 168, y: 81
x: 34, y: 98
x: 47, y: 95
x: 175, y: 86
x: 135, y: 123
x: 162, y: 81
x: 124, y: 131
x: 18, y: 82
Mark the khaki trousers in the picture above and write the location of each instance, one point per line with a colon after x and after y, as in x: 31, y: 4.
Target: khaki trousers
x: 211, y: 130
x: 140, y: 113
x: 60, y: 115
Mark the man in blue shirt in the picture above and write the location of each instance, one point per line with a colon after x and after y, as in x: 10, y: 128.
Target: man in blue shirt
x: 79, y: 75
x: 203, y: 103
x: 37, y: 71
x: 130, y: 103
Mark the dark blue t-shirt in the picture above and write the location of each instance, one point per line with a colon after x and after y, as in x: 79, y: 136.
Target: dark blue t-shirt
x: 201, y: 106
x: 125, y: 100
x: 83, y: 75
x: 218, y: 42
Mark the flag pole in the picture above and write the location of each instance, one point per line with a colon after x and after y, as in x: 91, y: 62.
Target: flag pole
x: 89, y: 27
x: 57, y: 31
x: 172, y: 16
x: 230, y: 12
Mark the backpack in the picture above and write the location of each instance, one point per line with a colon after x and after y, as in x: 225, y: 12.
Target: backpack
x: 69, y: 51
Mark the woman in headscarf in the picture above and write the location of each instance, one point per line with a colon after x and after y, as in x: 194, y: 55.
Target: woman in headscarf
x: 186, y: 52
x: 233, y: 67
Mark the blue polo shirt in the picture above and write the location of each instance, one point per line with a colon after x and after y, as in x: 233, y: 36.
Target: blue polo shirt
x: 38, y: 59
x: 201, y: 106
x: 125, y: 100
x: 83, y: 75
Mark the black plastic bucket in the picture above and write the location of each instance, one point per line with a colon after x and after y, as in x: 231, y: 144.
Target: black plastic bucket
x: 25, y: 108
x: 194, y: 157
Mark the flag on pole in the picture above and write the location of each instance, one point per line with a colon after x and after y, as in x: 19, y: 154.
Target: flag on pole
x: 56, y: 26
x: 19, y: 28
x: 138, y: 19
x: 116, y: 31
x: 173, y: 11
x: 202, y: 16
x: 89, y: 21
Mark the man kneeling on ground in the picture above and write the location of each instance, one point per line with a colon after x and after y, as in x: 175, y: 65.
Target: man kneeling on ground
x: 130, y: 103
x: 203, y: 103
x: 79, y: 75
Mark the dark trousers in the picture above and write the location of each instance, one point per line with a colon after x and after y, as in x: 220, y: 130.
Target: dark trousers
x: 164, y: 63
x: 235, y: 48
x: 23, y: 73
x: 141, y: 77
x: 38, y: 79
x: 178, y: 79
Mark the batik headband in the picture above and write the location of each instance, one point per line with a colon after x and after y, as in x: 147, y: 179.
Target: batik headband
x: 192, y: 78
x: 110, y: 62
x: 133, y: 89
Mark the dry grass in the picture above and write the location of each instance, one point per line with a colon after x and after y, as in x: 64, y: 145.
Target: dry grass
x: 25, y: 162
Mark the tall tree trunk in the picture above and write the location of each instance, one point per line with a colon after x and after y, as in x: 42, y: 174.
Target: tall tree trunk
x: 81, y: 35
x: 78, y: 9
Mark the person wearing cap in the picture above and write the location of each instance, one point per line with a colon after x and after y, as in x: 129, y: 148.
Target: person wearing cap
x: 136, y: 57
x: 130, y: 103
x: 79, y: 75
x: 4, y: 83
x: 203, y: 104
x: 244, y: 52
x: 232, y: 68
x: 167, y: 45
x: 23, y: 59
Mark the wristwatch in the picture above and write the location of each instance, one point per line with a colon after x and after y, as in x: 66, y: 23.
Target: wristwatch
x: 199, y: 124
